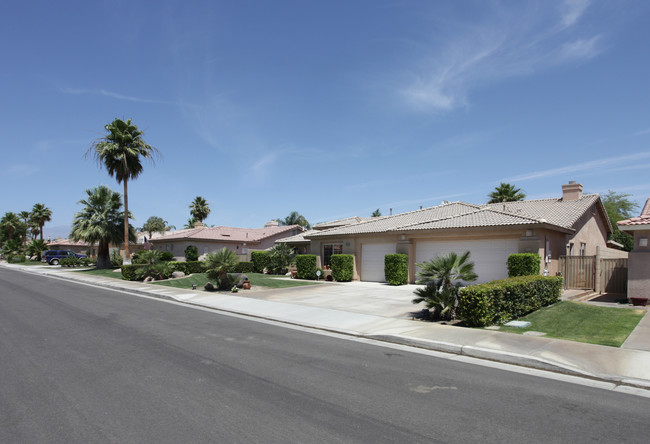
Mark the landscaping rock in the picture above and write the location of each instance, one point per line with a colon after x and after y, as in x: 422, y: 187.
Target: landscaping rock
x: 209, y: 287
x: 178, y: 274
x: 148, y: 279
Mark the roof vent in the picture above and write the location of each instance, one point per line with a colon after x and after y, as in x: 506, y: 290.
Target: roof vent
x: 571, y: 191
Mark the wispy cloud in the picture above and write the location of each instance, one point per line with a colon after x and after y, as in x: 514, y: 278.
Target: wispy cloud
x: 642, y: 132
x: 506, y: 42
x: 21, y: 169
x: 600, y: 164
x: 114, y: 95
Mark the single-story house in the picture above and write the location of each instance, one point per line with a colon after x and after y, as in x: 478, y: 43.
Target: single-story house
x: 574, y: 224
x: 82, y: 247
x: 638, y: 266
x: 209, y: 239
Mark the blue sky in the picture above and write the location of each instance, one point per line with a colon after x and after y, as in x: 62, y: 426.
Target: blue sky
x: 331, y: 108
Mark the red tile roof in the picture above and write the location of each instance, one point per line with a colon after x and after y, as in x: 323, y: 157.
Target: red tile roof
x: 643, y: 219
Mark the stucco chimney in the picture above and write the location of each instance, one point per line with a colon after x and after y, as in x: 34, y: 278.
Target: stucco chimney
x: 198, y: 225
x: 272, y: 223
x: 571, y: 191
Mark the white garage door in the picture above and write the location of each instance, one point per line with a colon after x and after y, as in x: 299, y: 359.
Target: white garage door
x: 372, y: 261
x: 489, y: 256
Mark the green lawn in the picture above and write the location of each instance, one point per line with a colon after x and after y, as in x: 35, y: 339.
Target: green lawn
x: 110, y: 273
x: 262, y: 280
x: 581, y: 322
x: 31, y: 263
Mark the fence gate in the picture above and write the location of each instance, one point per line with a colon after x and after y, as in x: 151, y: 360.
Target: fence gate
x: 579, y: 271
x: 613, y: 276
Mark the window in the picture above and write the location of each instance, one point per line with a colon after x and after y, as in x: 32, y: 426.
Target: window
x: 571, y: 249
x: 329, y: 250
x: 583, y: 248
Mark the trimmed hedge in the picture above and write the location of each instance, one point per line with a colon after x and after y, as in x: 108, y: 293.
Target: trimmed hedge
x: 260, y: 260
x: 523, y: 264
x: 396, y: 269
x: 166, y: 256
x: 342, y: 267
x: 129, y: 271
x: 306, y: 266
x: 244, y: 267
x: 500, y: 301
x: 188, y: 267
x: 191, y: 253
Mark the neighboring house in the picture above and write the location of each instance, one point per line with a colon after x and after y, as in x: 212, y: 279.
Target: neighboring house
x: 78, y: 247
x: 571, y: 225
x: 638, y: 266
x: 208, y: 239
x: 300, y: 241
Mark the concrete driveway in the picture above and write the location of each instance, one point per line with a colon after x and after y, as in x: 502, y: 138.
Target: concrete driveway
x: 360, y: 297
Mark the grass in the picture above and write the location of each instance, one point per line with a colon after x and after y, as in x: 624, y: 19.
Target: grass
x: 262, y: 280
x: 581, y: 322
x: 106, y: 272
x: 30, y: 263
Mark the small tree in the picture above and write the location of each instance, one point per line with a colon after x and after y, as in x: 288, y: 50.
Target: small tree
x: 191, y: 253
x: 295, y: 218
x: 619, y: 207
x: 376, y: 213
x: 155, y: 224
x: 506, y: 192
x: 280, y: 258
x: 219, y: 264
x: 443, y: 276
x: 36, y: 248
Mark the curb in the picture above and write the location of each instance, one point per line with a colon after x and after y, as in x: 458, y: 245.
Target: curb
x: 519, y: 360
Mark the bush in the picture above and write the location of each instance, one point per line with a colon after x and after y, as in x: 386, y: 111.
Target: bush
x: 244, y: 267
x: 396, y: 269
x: 260, y: 260
x: 191, y: 253
x: 306, y: 266
x: 116, y: 259
x: 129, y: 271
x: 523, y: 264
x: 224, y: 282
x: 281, y: 257
x: 166, y: 256
x: 15, y: 259
x: 500, y: 301
x: 188, y: 267
x: 157, y: 271
x: 342, y: 267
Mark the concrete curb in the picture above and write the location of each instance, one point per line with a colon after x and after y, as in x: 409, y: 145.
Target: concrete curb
x: 505, y: 357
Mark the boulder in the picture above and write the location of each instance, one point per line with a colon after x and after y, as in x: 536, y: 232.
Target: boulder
x: 209, y: 287
x: 178, y: 274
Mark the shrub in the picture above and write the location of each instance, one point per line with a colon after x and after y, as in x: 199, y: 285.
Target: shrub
x: 157, y: 271
x: 129, y: 271
x: 306, y: 266
x: 500, y: 301
x: 280, y: 258
x: 342, y: 267
x: 16, y: 259
x: 441, y: 302
x: 260, y: 260
x: 188, y: 267
x: 523, y: 264
x: 224, y: 281
x: 244, y: 267
x: 166, y: 256
x: 396, y: 269
x: 116, y: 259
x: 191, y: 253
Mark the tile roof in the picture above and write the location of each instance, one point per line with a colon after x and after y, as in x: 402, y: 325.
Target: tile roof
x: 643, y: 219
x: 341, y: 222
x: 554, y: 212
x: 296, y: 239
x: 225, y: 234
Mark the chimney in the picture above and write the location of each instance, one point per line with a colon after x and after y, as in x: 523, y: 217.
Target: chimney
x: 272, y: 223
x: 571, y: 191
x: 391, y: 211
x: 198, y: 225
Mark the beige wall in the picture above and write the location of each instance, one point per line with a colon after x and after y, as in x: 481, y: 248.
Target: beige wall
x: 638, y: 271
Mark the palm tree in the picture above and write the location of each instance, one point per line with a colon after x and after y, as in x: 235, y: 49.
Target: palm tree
x: 199, y: 209
x: 36, y: 248
x: 191, y: 222
x: 155, y: 224
x: 100, y: 221
x: 11, y: 224
x: 443, y: 276
x: 506, y: 193
x: 376, y: 213
x: 219, y: 263
x: 280, y: 257
x: 295, y: 218
x: 120, y: 152
x: 40, y: 215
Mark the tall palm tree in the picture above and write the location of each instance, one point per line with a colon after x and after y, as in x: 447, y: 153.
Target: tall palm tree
x: 295, y: 218
x: 506, y: 192
x: 40, y: 215
x: 120, y: 152
x: 100, y: 221
x: 11, y: 224
x: 155, y: 224
x: 26, y: 216
x: 199, y: 209
x: 376, y: 213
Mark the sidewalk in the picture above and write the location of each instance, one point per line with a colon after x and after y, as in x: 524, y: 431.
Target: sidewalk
x: 354, y: 309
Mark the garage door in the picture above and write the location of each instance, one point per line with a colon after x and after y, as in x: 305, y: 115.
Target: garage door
x: 489, y: 256
x: 372, y: 261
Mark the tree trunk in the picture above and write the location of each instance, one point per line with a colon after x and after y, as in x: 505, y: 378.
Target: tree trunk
x: 126, y: 223
x: 41, y: 230
x: 103, y: 256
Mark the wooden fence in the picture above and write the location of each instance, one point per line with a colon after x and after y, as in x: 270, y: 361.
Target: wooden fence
x: 613, y: 276
x: 580, y: 272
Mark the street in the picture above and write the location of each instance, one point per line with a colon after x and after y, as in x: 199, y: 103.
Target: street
x: 85, y: 364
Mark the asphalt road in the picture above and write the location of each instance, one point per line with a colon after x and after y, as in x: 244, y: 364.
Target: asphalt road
x: 82, y: 364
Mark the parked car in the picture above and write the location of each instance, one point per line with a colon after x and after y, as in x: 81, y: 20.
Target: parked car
x: 53, y: 257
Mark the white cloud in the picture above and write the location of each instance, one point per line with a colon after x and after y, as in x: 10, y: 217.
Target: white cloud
x: 507, y: 42
x: 594, y: 165
x: 103, y: 92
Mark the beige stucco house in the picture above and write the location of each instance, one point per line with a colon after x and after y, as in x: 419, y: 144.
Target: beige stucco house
x: 208, y: 239
x: 638, y: 266
x: 574, y: 224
